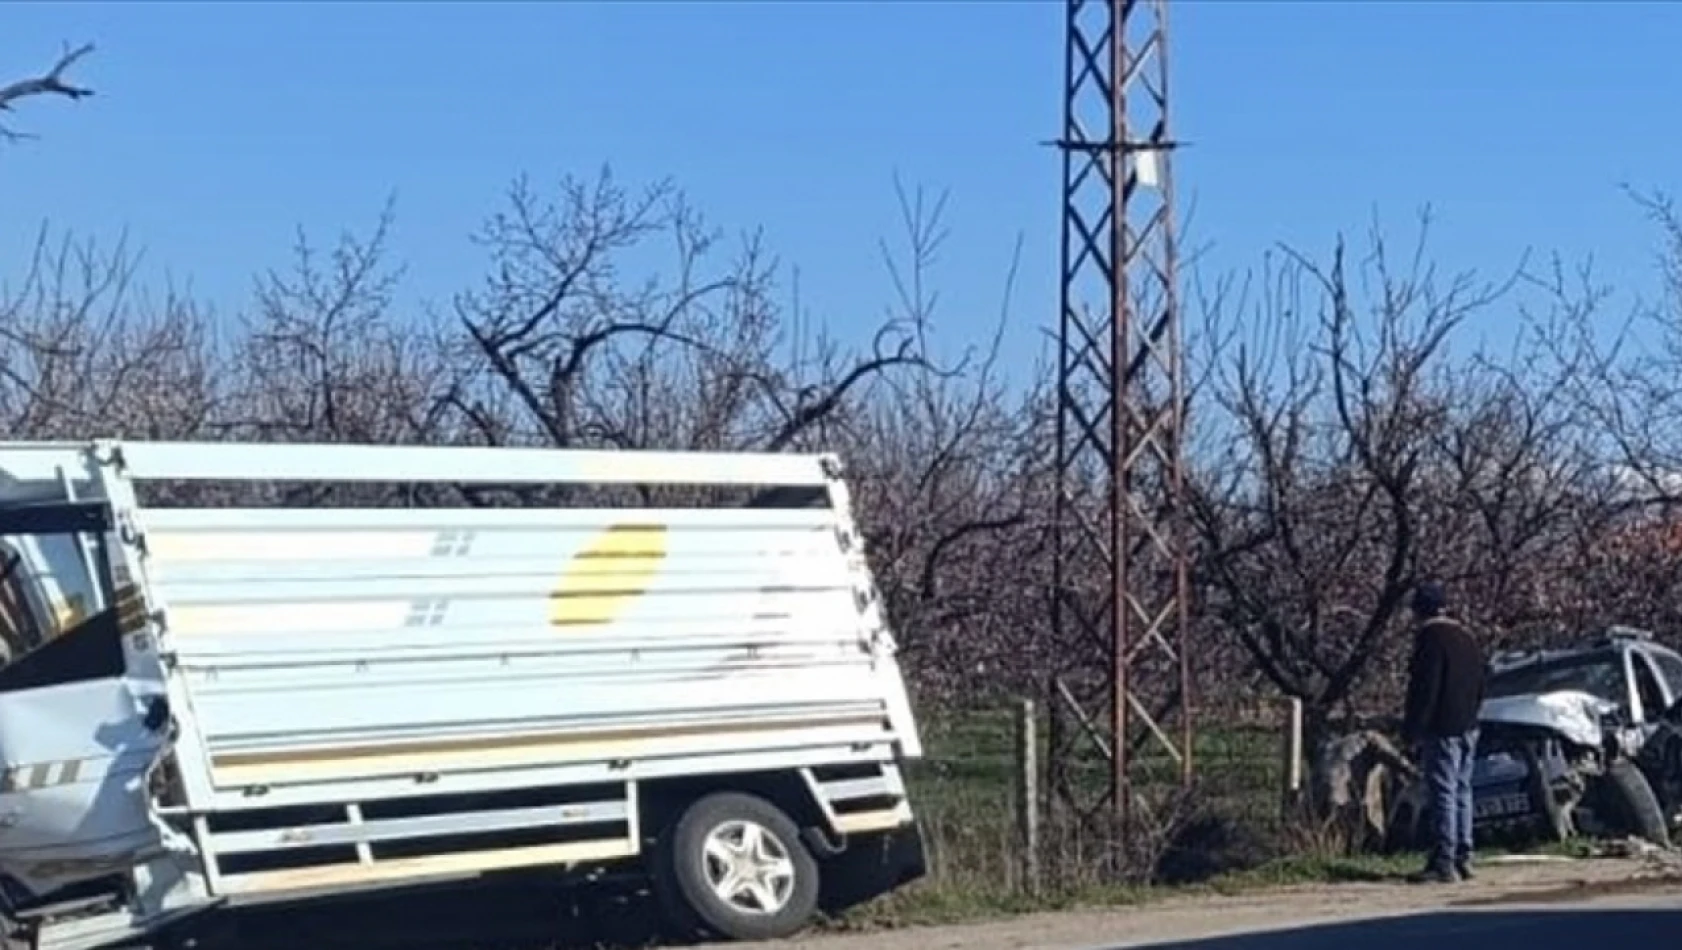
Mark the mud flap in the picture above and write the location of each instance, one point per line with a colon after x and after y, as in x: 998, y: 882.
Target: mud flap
x: 872, y: 865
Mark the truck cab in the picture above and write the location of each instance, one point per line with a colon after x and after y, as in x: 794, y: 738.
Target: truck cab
x: 76, y: 741
x: 45, y: 589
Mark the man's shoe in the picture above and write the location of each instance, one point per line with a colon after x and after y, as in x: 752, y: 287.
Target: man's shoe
x: 1465, y: 872
x: 1433, y: 875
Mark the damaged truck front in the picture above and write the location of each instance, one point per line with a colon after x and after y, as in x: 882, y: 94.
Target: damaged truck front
x: 84, y: 711
x: 205, y: 707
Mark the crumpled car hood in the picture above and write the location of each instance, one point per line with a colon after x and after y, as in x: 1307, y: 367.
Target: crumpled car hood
x: 1573, y: 714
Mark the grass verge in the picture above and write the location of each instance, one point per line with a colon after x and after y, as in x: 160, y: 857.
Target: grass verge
x: 965, y: 790
x: 933, y: 905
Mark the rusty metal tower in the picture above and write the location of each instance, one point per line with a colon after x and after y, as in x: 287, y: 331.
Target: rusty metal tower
x: 1122, y: 702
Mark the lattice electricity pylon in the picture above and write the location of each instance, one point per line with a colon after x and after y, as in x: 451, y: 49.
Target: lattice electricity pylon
x: 1121, y: 622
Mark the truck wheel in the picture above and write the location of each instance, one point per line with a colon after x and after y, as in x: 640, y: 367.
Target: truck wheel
x: 1633, y: 806
x: 733, y: 865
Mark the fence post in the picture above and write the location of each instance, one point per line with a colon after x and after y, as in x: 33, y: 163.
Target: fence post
x: 1027, y: 797
x: 1291, y: 750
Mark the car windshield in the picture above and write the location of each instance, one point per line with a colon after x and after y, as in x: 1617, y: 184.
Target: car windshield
x: 1600, y: 673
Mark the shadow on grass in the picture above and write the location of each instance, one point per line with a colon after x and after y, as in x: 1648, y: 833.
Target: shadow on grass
x: 1341, y: 872
x: 1284, y: 872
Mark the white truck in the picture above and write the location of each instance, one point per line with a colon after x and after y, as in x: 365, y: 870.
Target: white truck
x: 205, y: 705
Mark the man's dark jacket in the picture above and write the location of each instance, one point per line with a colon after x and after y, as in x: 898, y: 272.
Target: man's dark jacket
x: 1445, y: 686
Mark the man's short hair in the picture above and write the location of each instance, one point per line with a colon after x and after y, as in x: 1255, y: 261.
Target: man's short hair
x: 1429, y: 598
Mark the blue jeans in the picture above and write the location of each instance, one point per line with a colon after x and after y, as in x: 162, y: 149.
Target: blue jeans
x: 1448, y: 772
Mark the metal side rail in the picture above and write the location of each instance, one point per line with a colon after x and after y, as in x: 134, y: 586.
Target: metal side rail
x: 359, y: 845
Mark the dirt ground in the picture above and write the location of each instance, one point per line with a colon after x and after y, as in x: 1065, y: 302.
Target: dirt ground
x: 1543, y: 881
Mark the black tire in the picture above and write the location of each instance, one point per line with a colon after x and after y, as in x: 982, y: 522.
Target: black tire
x: 685, y: 888
x: 1631, y: 804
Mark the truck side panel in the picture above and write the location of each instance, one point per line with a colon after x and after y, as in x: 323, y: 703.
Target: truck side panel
x: 321, y: 650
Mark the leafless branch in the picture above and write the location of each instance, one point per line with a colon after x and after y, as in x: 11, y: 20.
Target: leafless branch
x: 50, y: 83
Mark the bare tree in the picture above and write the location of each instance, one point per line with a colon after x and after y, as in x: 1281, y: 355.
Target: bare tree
x: 324, y: 359
x: 1315, y: 519
x: 50, y: 83
x: 1623, y: 376
x: 85, y: 352
x: 573, y: 353
x: 324, y: 356
x: 952, y: 471
x: 1516, y: 482
x: 1629, y: 382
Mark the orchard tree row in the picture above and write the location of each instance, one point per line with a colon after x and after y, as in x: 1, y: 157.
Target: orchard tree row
x: 1345, y: 435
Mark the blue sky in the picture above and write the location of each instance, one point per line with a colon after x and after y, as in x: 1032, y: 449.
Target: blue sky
x: 218, y: 129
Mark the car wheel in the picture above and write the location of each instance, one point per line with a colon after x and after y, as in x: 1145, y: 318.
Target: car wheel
x: 1631, y: 804
x: 734, y: 866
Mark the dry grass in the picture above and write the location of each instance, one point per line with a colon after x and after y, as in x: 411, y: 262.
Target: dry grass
x: 1227, y: 836
x: 965, y: 793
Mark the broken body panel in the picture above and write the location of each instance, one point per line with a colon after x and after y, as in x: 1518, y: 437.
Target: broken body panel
x: 272, y: 701
x: 1573, y: 714
x: 1558, y: 721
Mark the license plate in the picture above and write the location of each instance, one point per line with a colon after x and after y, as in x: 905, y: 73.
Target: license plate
x: 1502, y: 806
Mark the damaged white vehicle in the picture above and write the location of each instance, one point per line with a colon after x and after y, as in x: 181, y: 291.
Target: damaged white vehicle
x: 268, y: 701
x: 1574, y: 742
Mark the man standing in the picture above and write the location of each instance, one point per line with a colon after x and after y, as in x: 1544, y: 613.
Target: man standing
x: 1445, y: 689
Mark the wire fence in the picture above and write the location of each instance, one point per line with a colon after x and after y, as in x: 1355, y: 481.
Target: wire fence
x: 972, y: 784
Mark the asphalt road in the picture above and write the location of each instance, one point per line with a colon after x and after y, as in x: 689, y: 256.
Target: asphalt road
x: 1624, y: 924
